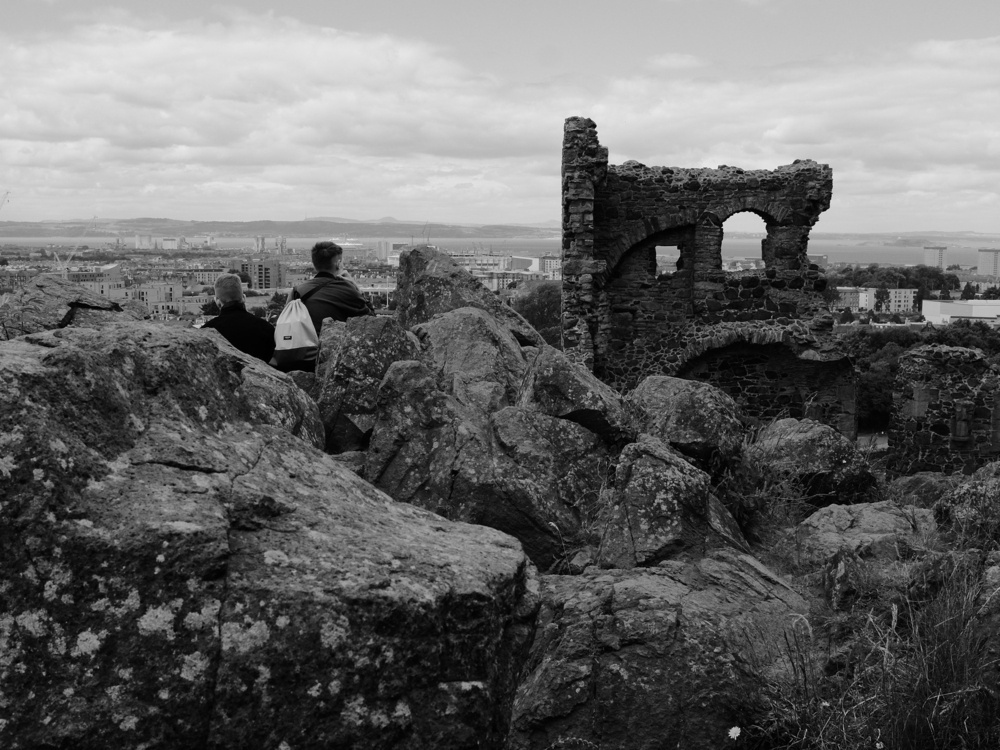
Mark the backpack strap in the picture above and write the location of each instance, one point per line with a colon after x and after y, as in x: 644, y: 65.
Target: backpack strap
x: 312, y: 291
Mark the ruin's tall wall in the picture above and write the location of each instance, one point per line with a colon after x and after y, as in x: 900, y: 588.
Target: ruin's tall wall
x: 946, y: 411
x: 625, y: 320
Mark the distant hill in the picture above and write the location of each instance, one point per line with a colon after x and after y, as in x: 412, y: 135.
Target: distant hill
x: 319, y: 227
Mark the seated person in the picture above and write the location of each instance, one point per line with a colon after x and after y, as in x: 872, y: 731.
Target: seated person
x: 336, y: 296
x: 245, y: 331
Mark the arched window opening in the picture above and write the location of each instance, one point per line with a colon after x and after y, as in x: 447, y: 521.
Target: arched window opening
x: 668, y: 259
x: 743, y: 235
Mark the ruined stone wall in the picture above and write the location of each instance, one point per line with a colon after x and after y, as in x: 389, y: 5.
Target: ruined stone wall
x: 946, y: 411
x: 626, y: 321
x: 770, y: 382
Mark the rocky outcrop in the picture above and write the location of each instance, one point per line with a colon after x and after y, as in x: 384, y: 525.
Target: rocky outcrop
x: 922, y: 489
x: 661, y: 506
x: 817, y: 462
x: 561, y: 388
x: 880, y: 530
x: 531, y: 475
x: 669, y: 656
x: 354, y: 357
x: 179, y: 570
x: 48, y: 302
x: 697, y: 419
x: 429, y: 282
x: 95, y: 391
x: 472, y: 353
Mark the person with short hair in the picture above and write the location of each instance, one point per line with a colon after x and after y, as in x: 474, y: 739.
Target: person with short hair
x: 245, y: 331
x: 337, y: 296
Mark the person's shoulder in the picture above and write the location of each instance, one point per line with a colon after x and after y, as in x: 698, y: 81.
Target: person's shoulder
x: 210, y: 323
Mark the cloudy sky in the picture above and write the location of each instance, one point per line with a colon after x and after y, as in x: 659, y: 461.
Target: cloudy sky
x: 452, y: 110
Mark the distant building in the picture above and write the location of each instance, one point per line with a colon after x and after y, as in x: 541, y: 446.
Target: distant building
x: 934, y: 255
x: 11, y: 280
x: 264, y: 274
x: 852, y: 297
x: 105, y: 280
x: 203, y: 276
x: 202, y: 241
x: 946, y: 311
x: 900, y: 300
x: 863, y: 298
x: 551, y: 266
x: 144, y: 242
x: 989, y: 262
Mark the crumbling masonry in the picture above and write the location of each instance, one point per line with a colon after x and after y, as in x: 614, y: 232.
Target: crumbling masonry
x: 765, y: 337
x: 946, y: 411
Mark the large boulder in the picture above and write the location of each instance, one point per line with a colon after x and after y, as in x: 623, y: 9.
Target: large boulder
x: 561, y: 388
x: 881, y: 530
x: 535, y: 477
x: 354, y: 357
x: 95, y: 390
x: 816, y: 462
x: 179, y: 570
x: 472, y: 352
x: 698, y: 419
x: 48, y: 302
x: 663, y: 657
x: 922, y: 489
x: 430, y: 282
x: 661, y: 506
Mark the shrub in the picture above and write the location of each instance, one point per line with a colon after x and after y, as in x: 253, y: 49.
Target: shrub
x: 541, y: 306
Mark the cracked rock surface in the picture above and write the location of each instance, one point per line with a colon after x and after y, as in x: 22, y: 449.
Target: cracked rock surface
x: 47, y: 302
x: 181, y: 567
x: 651, y: 658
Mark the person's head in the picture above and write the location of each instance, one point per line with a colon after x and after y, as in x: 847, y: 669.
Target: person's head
x: 326, y: 256
x: 228, y: 288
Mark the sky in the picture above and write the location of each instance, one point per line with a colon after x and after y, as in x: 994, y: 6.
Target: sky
x: 452, y: 110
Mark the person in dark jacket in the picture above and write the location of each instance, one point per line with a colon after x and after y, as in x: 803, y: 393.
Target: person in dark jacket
x: 338, y: 297
x: 245, y: 331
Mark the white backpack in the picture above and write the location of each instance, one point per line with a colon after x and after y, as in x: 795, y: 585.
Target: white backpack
x: 295, y: 337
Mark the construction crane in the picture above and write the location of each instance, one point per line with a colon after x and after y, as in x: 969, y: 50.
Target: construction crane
x: 4, y: 198
x: 62, y: 263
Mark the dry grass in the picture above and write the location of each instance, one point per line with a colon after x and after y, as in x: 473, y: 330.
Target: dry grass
x: 917, y: 676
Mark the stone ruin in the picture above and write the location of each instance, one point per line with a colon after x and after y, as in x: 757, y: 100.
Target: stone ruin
x: 946, y: 411
x: 763, y: 336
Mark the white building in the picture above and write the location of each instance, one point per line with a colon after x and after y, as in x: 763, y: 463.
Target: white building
x: 947, y: 311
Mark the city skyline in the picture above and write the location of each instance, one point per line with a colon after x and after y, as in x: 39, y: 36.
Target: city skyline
x: 452, y: 112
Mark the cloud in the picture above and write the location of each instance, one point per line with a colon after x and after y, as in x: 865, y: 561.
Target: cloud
x: 921, y: 115
x: 317, y: 109
x: 675, y: 61
x: 268, y: 117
